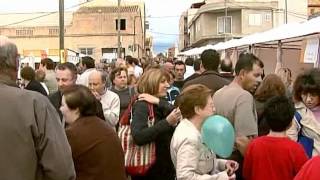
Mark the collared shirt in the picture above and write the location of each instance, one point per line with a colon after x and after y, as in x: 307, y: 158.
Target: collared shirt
x: 111, y: 107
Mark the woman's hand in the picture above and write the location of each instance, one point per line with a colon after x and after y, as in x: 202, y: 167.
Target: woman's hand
x: 174, y: 117
x: 231, y: 167
x: 149, y: 98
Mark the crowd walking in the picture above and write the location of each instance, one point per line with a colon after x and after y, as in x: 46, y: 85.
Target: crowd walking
x: 65, y: 122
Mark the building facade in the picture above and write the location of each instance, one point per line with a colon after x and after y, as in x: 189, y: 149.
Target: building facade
x: 149, y: 45
x: 313, y: 7
x: 183, y: 31
x: 90, y: 30
x: 219, y: 20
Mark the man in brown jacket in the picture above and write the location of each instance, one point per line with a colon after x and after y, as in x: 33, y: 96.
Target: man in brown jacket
x: 210, y: 60
x: 33, y: 143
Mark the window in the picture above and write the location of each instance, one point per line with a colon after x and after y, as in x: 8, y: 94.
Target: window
x: 24, y: 32
x: 312, y: 11
x: 224, y: 25
x: 53, y: 32
x: 255, y: 20
x: 268, y: 17
x: 122, y: 24
x: 86, y: 51
x: 198, y: 25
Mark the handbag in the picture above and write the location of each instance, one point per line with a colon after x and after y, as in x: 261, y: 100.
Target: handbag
x: 138, y: 159
x: 305, y: 141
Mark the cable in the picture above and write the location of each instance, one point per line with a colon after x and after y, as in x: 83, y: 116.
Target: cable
x: 30, y: 19
x: 175, y: 16
x: 292, y: 12
x: 44, y: 15
x: 158, y: 17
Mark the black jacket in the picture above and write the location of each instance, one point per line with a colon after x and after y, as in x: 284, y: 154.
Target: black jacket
x: 34, y: 85
x: 56, y: 99
x: 160, y: 133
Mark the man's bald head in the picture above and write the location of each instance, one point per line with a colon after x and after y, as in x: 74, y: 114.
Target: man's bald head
x: 97, y: 81
x: 99, y: 74
x: 8, y: 57
x: 168, y: 66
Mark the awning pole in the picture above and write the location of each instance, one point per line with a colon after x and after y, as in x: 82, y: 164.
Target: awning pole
x: 279, y: 57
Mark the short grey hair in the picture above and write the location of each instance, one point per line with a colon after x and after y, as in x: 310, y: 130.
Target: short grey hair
x: 103, y: 75
x: 8, y: 54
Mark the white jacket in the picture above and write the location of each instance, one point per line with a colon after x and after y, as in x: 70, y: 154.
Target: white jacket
x: 191, y: 158
x: 111, y: 107
x: 310, y: 127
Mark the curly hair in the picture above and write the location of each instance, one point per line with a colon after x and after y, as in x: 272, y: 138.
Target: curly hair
x: 307, y: 82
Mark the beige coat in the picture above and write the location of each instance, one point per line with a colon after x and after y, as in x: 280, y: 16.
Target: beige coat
x: 310, y: 127
x: 32, y: 140
x: 51, y: 82
x: 191, y: 158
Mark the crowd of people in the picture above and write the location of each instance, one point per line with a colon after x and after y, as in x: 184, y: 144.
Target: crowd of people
x: 61, y: 121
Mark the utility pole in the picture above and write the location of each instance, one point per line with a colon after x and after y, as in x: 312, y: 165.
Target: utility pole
x: 286, y: 11
x: 134, y: 35
x: 225, y: 20
x: 118, y: 24
x: 61, y: 31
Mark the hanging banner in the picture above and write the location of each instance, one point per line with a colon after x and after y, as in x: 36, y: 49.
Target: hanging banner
x: 311, y: 52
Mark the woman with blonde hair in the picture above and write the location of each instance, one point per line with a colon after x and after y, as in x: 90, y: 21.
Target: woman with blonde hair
x: 152, y: 88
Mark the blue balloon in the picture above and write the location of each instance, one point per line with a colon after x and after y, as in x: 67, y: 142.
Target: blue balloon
x: 218, y: 134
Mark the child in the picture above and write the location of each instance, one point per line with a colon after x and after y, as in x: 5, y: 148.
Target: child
x: 275, y: 156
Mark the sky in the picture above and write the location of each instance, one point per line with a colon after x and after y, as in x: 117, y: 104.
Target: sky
x: 163, y: 15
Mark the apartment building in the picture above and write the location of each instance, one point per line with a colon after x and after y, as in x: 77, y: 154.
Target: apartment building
x: 216, y: 21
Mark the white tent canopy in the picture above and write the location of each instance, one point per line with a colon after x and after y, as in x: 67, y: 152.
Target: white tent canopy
x: 287, y: 31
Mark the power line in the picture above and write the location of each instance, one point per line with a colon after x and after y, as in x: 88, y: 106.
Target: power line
x: 296, y: 14
x: 44, y: 15
x: 30, y: 19
x: 292, y: 12
x: 239, y: 5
